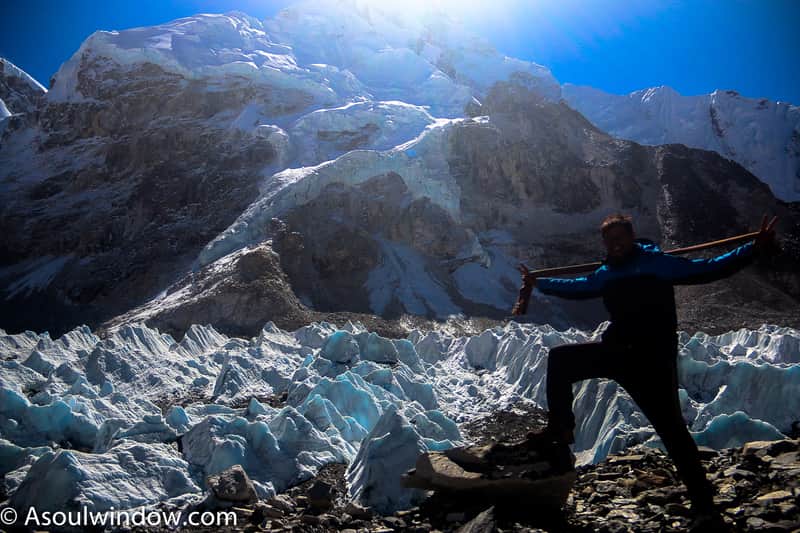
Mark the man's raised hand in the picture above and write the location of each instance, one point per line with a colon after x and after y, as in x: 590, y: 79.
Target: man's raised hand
x: 765, y: 240
x: 527, y: 277
x: 528, y: 283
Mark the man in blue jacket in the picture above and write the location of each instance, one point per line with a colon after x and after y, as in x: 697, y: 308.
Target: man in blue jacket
x: 639, y: 348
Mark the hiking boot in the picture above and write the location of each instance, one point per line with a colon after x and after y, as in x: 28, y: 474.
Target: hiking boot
x: 708, y: 522
x: 706, y: 517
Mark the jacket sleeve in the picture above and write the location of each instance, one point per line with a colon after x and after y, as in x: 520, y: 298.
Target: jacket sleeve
x: 683, y: 271
x: 582, y: 288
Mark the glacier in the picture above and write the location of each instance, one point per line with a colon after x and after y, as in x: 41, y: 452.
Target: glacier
x: 137, y: 417
x: 422, y: 162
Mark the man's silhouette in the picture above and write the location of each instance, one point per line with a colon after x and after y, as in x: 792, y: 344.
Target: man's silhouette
x: 639, y: 348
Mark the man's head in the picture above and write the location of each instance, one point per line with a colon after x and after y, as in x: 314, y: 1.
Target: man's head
x: 618, y: 236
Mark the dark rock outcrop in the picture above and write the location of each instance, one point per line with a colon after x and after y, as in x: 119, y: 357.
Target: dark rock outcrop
x: 232, y: 485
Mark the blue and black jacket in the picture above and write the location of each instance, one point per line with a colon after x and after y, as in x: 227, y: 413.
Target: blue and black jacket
x: 638, y: 293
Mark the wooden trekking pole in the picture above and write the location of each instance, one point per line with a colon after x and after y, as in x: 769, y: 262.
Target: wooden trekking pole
x: 521, y: 307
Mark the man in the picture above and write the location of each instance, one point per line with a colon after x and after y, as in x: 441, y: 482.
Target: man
x: 639, y: 348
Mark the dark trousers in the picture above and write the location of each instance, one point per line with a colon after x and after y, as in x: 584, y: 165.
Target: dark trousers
x: 650, y: 376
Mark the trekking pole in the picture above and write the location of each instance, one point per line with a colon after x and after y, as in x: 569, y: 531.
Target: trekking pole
x: 521, y: 307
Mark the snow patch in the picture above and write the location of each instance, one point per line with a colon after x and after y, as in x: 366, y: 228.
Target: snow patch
x: 39, y: 273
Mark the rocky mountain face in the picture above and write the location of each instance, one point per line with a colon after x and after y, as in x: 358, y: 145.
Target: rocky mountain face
x: 761, y: 135
x: 120, y: 191
x: 214, y: 169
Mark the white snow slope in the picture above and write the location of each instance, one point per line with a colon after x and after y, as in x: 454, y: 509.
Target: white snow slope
x: 761, y: 135
x: 81, y: 419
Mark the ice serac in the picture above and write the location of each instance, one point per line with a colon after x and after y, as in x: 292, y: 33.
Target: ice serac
x: 761, y: 135
x: 127, y: 476
x: 82, y: 415
x: 276, y: 454
x: 387, y: 452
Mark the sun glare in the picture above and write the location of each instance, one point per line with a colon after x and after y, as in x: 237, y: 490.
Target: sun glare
x: 489, y: 17
x: 459, y: 9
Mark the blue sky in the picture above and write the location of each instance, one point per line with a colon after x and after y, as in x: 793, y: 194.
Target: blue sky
x: 616, y: 45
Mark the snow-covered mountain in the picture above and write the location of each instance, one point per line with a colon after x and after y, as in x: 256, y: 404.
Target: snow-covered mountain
x: 333, y: 51
x: 173, y: 129
x: 350, y: 396
x: 222, y: 167
x: 761, y: 135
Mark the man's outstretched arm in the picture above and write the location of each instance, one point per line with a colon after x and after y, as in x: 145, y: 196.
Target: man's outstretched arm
x: 585, y: 287
x: 683, y: 271
x: 582, y: 288
x: 680, y: 270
